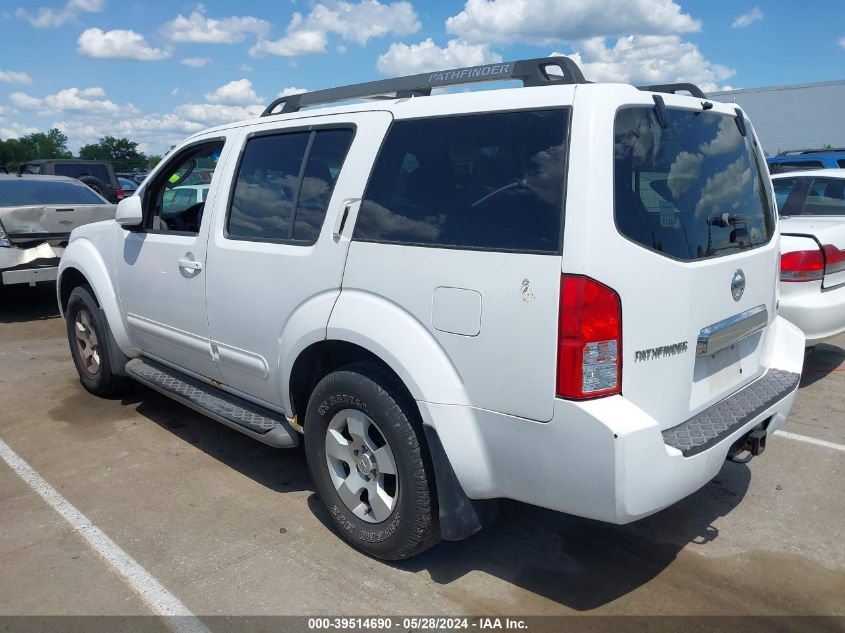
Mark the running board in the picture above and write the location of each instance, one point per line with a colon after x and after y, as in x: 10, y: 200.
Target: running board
x: 250, y: 419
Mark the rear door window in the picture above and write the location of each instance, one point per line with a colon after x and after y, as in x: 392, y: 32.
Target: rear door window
x: 480, y: 181
x: 826, y: 196
x: 284, y: 183
x: 692, y: 191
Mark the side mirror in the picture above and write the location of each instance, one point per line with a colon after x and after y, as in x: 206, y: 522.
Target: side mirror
x: 129, y: 213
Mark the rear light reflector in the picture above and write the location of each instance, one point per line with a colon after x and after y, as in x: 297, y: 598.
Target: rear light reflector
x: 802, y: 266
x: 119, y: 193
x: 589, y: 361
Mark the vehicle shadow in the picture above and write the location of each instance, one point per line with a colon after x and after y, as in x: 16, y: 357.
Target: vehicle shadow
x: 276, y: 469
x: 21, y: 303
x: 579, y: 563
x: 821, y: 361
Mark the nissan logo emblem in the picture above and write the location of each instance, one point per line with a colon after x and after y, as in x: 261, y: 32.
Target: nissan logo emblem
x: 738, y: 284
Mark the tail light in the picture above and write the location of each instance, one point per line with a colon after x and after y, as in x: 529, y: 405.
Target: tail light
x: 119, y: 193
x: 802, y: 266
x: 834, y: 259
x: 589, y: 357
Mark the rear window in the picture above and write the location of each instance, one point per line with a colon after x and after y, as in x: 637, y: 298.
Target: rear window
x: 692, y: 191
x: 481, y: 181
x: 783, y: 188
x: 19, y: 192
x: 826, y: 196
x: 80, y: 170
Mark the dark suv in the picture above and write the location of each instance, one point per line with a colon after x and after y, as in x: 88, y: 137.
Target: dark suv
x: 97, y: 174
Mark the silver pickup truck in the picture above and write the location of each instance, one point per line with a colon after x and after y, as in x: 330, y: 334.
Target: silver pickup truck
x: 37, y: 214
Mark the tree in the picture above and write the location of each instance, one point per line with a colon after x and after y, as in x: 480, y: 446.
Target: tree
x: 153, y: 160
x: 52, y: 144
x: 122, y: 153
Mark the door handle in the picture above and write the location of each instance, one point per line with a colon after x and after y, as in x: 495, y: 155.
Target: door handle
x: 189, y: 264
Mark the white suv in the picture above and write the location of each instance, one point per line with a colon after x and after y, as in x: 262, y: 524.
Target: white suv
x: 563, y: 294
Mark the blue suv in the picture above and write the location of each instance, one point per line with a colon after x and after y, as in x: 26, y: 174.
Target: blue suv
x: 795, y: 160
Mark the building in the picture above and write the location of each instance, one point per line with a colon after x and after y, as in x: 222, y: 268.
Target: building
x: 793, y: 117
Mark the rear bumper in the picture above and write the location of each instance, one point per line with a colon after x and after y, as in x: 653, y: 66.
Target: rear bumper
x: 605, y: 459
x: 29, y: 265
x: 819, y: 313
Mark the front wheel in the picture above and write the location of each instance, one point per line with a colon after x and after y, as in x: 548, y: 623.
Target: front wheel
x: 87, y: 333
x: 368, y: 459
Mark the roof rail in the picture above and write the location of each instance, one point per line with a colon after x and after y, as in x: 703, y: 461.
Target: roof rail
x: 694, y: 90
x: 821, y: 150
x: 532, y: 72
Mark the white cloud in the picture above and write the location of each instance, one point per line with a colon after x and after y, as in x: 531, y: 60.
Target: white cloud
x: 217, y: 113
x: 246, y: 68
x: 551, y: 21
x: 86, y: 100
x: 12, y: 77
x: 199, y: 29
x: 238, y: 92
x: 155, y: 132
x: 353, y: 22
x: 118, y: 44
x: 297, y: 42
x: 13, y: 129
x: 648, y: 59
x: 291, y: 90
x: 195, y: 62
x: 49, y: 18
x: 741, y: 21
x: 402, y: 59
x: 841, y: 43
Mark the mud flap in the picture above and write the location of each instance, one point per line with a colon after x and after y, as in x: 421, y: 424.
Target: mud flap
x: 117, y: 359
x: 460, y: 516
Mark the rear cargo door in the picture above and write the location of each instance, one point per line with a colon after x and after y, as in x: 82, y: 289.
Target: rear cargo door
x: 691, y: 248
x: 52, y: 222
x: 43, y: 208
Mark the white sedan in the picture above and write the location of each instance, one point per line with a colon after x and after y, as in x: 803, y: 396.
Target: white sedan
x: 812, y: 270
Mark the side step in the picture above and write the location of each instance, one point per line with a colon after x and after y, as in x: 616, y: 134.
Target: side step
x: 250, y: 419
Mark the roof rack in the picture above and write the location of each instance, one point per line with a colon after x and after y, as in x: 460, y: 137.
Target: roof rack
x: 694, y: 90
x: 821, y: 150
x: 532, y: 72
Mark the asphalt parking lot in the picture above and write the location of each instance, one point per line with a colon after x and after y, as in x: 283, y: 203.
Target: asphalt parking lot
x: 229, y: 526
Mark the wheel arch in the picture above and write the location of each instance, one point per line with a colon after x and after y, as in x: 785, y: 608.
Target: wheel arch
x: 82, y: 264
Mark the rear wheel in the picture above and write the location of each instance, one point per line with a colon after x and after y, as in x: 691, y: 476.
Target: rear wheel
x: 87, y: 333
x: 368, y: 460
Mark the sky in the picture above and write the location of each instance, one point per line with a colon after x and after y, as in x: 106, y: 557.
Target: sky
x: 156, y: 71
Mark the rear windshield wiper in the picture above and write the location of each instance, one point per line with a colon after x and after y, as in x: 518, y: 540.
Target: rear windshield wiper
x: 726, y: 219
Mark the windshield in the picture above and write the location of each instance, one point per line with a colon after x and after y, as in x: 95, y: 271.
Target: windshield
x: 693, y: 190
x: 20, y: 192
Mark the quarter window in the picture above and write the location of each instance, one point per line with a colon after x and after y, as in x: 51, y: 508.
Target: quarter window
x: 284, y: 184
x: 482, y: 181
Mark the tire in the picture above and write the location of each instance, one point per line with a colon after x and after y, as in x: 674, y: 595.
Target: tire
x: 403, y: 520
x: 87, y: 333
x: 100, y: 187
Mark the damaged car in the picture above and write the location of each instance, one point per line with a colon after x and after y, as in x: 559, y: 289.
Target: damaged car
x: 37, y: 214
